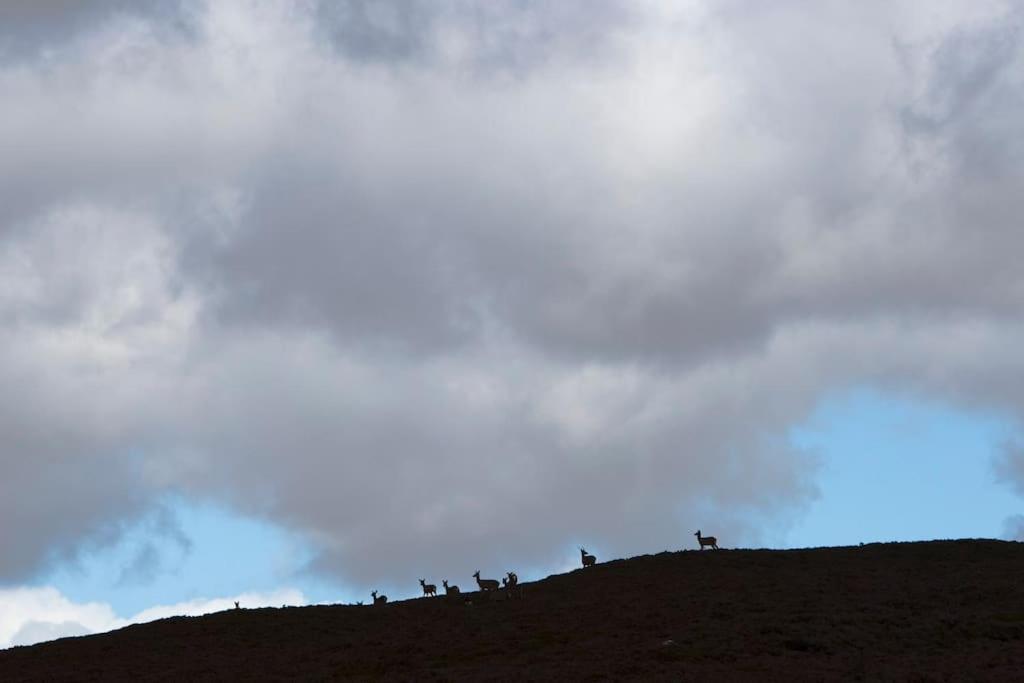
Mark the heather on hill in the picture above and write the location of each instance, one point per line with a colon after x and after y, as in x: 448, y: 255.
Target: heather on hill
x: 909, y: 611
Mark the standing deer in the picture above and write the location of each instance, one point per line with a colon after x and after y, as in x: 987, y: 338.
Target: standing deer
x: 485, y: 584
x: 588, y: 560
x: 378, y: 600
x: 450, y: 590
x: 428, y: 588
x: 511, y: 584
x: 706, y: 540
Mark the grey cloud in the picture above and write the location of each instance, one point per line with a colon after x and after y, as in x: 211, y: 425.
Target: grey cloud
x: 1013, y: 528
x: 420, y: 317
x: 29, y: 28
x: 314, y: 254
x: 149, y: 560
x: 1010, y: 465
x: 62, y: 483
x: 508, y: 37
x: 83, y: 301
x: 438, y: 463
x: 967, y: 66
x: 143, y: 568
x: 386, y: 31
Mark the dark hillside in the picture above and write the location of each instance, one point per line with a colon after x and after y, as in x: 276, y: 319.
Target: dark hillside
x: 943, y: 610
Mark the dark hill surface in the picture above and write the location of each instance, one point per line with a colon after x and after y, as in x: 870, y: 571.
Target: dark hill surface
x: 943, y: 610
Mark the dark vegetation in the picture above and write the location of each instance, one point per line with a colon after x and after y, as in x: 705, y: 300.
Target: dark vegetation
x: 943, y: 610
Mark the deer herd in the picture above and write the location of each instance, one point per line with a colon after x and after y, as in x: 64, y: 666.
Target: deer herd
x: 510, y: 582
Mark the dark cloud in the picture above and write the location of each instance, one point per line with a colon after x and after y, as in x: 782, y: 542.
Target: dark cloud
x: 455, y: 284
x: 34, y: 29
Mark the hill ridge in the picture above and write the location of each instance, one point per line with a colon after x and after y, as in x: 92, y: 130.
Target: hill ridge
x: 926, y: 608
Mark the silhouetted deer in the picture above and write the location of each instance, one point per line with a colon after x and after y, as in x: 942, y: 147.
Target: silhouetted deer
x: 588, y: 560
x: 511, y: 584
x: 378, y: 601
x: 236, y: 605
x: 706, y: 540
x: 485, y: 584
x: 450, y: 590
x: 428, y: 588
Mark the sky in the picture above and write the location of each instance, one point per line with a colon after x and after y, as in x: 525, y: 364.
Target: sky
x: 302, y: 300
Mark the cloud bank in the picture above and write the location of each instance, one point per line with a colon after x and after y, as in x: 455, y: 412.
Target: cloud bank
x: 34, y: 615
x: 442, y: 287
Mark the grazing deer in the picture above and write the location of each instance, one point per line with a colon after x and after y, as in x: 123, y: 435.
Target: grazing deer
x: 450, y: 590
x: 428, y: 588
x: 706, y: 540
x: 485, y: 584
x: 588, y: 560
x: 378, y: 600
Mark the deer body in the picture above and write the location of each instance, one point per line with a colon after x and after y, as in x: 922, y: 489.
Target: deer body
x: 511, y: 583
x: 450, y: 590
x: 706, y: 540
x: 378, y: 600
x: 588, y: 560
x: 485, y: 584
x: 428, y: 588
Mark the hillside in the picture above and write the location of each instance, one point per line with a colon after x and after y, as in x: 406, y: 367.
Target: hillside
x: 928, y: 611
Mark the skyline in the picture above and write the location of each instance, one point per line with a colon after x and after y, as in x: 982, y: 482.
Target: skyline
x: 299, y: 300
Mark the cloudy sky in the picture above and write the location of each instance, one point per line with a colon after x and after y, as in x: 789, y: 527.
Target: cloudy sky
x: 302, y: 299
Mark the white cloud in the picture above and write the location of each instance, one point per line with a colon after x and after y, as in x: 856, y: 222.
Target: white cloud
x: 33, y: 615
x: 23, y: 611
x: 285, y: 596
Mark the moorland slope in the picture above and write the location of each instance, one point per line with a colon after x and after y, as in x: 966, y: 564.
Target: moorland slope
x: 941, y: 610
